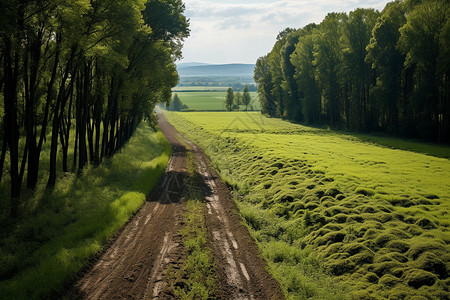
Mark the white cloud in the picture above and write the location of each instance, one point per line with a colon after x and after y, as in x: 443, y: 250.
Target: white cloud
x: 228, y: 31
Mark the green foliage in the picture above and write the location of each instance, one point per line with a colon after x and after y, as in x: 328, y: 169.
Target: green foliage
x: 334, y: 210
x: 229, y: 99
x: 68, y: 225
x: 364, y: 70
x: 104, y: 64
x: 176, y: 104
x: 246, y: 98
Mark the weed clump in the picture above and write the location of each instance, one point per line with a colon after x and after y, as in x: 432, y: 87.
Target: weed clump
x: 389, y: 280
x: 330, y: 238
x: 339, y: 267
x: 332, y: 249
x: 365, y: 191
x: 422, y: 246
x: 425, y: 223
x: 398, y: 245
x: 332, y: 192
x: 417, y: 278
x: 432, y: 263
x: 385, y: 267
x: 382, y: 239
x: 364, y: 257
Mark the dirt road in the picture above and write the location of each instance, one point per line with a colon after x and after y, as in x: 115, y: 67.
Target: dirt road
x: 134, y: 265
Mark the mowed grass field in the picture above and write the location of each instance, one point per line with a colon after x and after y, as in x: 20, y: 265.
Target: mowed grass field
x: 208, y: 98
x: 336, y: 215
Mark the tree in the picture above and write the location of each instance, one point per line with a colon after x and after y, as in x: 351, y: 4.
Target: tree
x: 357, y: 74
x: 88, y: 63
x: 246, y: 98
x: 237, y: 100
x: 176, y: 103
x: 364, y: 71
x: 263, y: 77
x: 328, y: 61
x: 385, y: 57
x: 305, y: 74
x: 292, y: 105
x: 229, y: 99
x: 424, y: 41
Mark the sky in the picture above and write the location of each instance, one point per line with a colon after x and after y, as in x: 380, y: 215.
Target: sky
x: 231, y: 31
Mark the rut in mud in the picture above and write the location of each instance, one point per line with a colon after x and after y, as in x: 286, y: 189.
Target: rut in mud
x: 135, y: 264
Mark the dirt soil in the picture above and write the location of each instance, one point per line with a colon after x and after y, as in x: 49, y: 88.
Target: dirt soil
x: 135, y: 263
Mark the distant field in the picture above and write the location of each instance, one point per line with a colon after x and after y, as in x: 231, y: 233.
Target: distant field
x: 324, y: 205
x: 208, y: 98
x: 199, y: 88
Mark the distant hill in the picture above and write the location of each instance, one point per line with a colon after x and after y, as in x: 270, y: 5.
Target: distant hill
x: 190, y: 64
x: 198, y: 69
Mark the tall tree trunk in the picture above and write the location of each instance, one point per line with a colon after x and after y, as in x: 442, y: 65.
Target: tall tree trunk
x: 31, y: 83
x: 59, y: 107
x: 3, y: 155
x: 11, y: 68
x: 97, y: 116
x: 66, y: 123
x: 82, y: 151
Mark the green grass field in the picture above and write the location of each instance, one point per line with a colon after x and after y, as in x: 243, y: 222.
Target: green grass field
x: 208, y: 98
x: 60, y: 230
x: 336, y: 215
x: 199, y: 88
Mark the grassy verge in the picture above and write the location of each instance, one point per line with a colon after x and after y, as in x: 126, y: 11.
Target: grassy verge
x: 335, y: 215
x: 196, y: 278
x: 53, y: 241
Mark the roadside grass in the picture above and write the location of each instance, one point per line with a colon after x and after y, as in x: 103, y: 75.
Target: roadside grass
x: 196, y: 278
x: 53, y: 241
x: 335, y: 215
x: 210, y: 100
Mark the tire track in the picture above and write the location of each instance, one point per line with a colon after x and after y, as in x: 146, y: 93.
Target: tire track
x: 135, y: 264
x: 242, y: 272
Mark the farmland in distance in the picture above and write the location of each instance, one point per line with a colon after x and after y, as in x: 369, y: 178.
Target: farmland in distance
x: 335, y: 214
x: 207, y: 98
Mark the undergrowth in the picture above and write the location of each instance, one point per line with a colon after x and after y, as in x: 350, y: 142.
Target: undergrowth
x: 61, y: 229
x: 335, y: 215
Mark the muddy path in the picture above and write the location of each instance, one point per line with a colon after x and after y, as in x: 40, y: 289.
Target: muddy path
x: 134, y: 265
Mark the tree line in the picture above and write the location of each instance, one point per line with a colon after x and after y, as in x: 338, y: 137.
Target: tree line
x: 367, y: 70
x: 89, y: 69
x: 233, y: 100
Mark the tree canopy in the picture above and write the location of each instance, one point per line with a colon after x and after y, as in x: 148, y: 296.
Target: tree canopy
x: 93, y: 69
x: 366, y: 70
